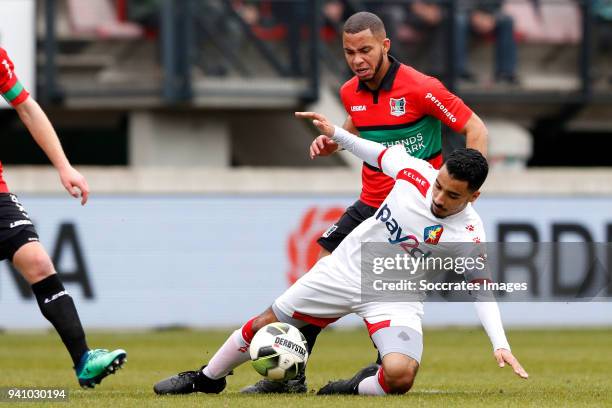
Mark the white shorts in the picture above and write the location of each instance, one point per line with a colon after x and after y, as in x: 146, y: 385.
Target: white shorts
x: 325, y: 294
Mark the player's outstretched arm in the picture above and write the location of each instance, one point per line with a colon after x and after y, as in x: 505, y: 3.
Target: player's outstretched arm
x: 43, y: 133
x: 366, y: 150
x: 489, y: 316
x: 323, y: 145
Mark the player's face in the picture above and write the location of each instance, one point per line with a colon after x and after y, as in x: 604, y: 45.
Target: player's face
x: 366, y: 54
x: 450, y: 196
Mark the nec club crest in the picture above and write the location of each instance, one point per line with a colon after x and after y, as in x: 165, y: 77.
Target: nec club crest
x: 398, y: 106
x: 432, y: 234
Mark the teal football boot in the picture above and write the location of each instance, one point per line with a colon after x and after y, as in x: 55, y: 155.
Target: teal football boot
x: 97, y: 364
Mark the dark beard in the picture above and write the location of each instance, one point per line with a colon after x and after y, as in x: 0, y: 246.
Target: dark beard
x: 379, y: 65
x: 377, y: 68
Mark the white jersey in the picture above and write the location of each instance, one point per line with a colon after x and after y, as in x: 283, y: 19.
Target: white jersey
x: 333, y: 288
x: 405, y: 217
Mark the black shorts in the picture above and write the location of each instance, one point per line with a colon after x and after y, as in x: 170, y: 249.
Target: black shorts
x: 352, y: 217
x: 16, y: 228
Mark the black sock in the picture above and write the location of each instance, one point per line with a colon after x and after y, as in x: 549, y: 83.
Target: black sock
x: 58, y: 308
x: 310, y: 331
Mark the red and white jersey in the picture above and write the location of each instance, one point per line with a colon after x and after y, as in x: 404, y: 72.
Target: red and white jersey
x: 405, y: 217
x: 12, y: 90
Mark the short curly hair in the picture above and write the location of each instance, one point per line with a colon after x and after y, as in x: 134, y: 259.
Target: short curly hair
x: 468, y: 165
x: 362, y: 21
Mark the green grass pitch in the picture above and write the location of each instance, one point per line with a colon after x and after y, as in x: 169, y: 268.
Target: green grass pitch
x: 566, y: 367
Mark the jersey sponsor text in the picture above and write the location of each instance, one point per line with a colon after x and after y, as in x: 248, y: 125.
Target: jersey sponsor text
x: 443, y: 108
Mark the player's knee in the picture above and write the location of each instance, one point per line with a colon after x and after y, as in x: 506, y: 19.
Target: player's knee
x: 263, y: 319
x: 39, y: 266
x: 400, y: 382
x: 399, y: 374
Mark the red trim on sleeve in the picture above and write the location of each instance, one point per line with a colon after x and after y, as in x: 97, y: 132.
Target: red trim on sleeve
x: 8, y: 79
x: 23, y: 95
x: 321, y: 322
x: 380, y: 157
x: 416, y: 179
x: 374, y: 327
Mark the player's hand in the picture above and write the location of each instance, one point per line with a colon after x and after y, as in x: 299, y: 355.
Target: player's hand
x: 74, y: 183
x: 320, y: 121
x: 504, y: 356
x: 322, y: 146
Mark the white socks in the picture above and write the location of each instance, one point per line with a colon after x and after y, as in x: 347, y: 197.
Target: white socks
x: 372, y: 385
x: 232, y: 353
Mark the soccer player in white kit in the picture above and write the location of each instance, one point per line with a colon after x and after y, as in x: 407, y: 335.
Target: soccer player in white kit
x: 422, y: 199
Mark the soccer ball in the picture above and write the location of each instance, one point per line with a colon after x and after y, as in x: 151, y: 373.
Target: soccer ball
x: 278, y: 351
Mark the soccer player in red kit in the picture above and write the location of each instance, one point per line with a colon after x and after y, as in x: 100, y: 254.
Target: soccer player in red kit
x: 19, y: 241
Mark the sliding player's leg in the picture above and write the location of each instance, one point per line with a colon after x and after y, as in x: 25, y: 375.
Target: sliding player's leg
x: 210, y: 378
x: 314, y: 299
x: 329, y: 241
x: 395, y: 329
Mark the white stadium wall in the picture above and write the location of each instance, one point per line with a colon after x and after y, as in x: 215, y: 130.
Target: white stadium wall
x: 213, y: 260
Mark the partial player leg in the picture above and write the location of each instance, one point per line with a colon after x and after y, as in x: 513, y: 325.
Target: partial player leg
x: 395, y: 376
x: 54, y: 302
x: 329, y: 241
x: 211, y: 377
x: 298, y: 384
x: 401, y: 348
x: 395, y: 330
x: 56, y: 305
x: 320, y: 292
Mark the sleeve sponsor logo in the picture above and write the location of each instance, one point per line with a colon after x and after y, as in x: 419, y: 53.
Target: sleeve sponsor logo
x: 443, y: 108
x: 416, y: 179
